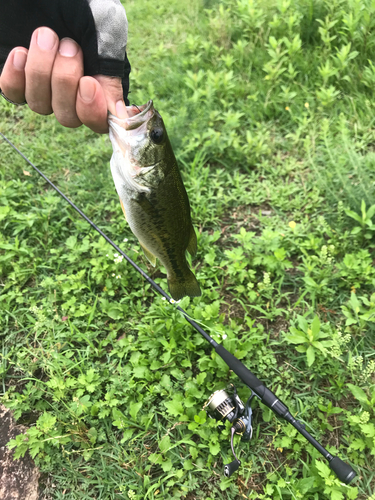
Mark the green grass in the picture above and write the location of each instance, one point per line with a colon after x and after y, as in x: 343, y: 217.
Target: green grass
x: 270, y: 112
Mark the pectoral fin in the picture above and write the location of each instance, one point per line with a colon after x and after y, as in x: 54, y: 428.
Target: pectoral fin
x: 150, y: 256
x: 192, y: 245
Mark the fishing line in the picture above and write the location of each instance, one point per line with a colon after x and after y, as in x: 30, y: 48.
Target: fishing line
x: 220, y: 399
x: 136, y: 107
x: 118, y: 249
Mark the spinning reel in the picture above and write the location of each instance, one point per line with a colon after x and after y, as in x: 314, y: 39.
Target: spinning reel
x: 221, y: 406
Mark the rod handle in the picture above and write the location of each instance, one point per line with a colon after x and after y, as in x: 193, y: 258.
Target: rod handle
x: 342, y: 470
x: 240, y: 370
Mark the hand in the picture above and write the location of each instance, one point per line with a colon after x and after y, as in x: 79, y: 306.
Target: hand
x: 49, y: 75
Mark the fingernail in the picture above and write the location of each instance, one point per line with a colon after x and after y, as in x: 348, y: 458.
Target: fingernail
x: 87, y: 90
x: 68, y: 47
x: 45, y: 39
x: 121, y: 109
x: 19, y: 59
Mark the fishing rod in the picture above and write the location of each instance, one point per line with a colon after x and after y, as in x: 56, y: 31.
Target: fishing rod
x: 221, y: 405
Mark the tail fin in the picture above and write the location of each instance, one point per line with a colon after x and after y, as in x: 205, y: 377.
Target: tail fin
x: 188, y: 285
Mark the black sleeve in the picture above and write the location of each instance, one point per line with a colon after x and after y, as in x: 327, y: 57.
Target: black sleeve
x: 98, y: 26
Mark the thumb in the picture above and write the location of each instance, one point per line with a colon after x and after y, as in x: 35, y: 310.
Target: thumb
x: 112, y: 88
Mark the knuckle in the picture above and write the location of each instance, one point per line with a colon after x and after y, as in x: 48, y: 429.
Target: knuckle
x: 110, y: 83
x: 62, y: 80
x: 7, y: 82
x: 39, y: 107
x: 14, y: 98
x: 67, y: 119
x: 69, y: 124
x: 12, y: 90
x: 98, y: 127
x: 37, y: 73
x: 65, y: 110
x: 5, y: 88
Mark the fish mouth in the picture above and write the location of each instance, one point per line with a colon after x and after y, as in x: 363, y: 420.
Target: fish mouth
x: 143, y: 113
x: 134, y: 110
x: 137, y: 115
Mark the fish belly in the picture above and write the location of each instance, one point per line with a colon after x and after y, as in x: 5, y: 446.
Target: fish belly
x: 153, y: 234
x: 166, y: 235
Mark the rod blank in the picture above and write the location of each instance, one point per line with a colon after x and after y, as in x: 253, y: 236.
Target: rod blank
x: 343, y: 471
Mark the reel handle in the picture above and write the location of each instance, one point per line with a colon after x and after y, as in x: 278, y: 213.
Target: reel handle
x: 342, y: 470
x: 232, y: 467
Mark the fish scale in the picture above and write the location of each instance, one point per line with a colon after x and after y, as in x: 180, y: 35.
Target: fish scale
x: 153, y: 196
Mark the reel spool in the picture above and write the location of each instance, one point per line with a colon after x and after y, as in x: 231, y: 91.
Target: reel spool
x: 221, y: 406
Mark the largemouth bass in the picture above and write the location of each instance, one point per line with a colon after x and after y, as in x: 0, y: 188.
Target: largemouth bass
x: 152, y: 194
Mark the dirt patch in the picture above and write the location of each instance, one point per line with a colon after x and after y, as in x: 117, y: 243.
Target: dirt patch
x: 18, y: 478
x: 231, y: 308
x: 246, y: 216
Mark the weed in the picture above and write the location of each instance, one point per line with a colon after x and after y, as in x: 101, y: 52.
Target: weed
x: 270, y: 111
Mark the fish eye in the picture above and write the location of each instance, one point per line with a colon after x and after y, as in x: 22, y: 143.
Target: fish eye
x: 157, y: 135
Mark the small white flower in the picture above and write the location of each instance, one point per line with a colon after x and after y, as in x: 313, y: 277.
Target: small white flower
x: 125, y: 240
x: 115, y: 255
x: 163, y: 298
x: 118, y: 277
x: 107, y: 255
x: 172, y: 301
x: 225, y: 336
x: 113, y: 275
